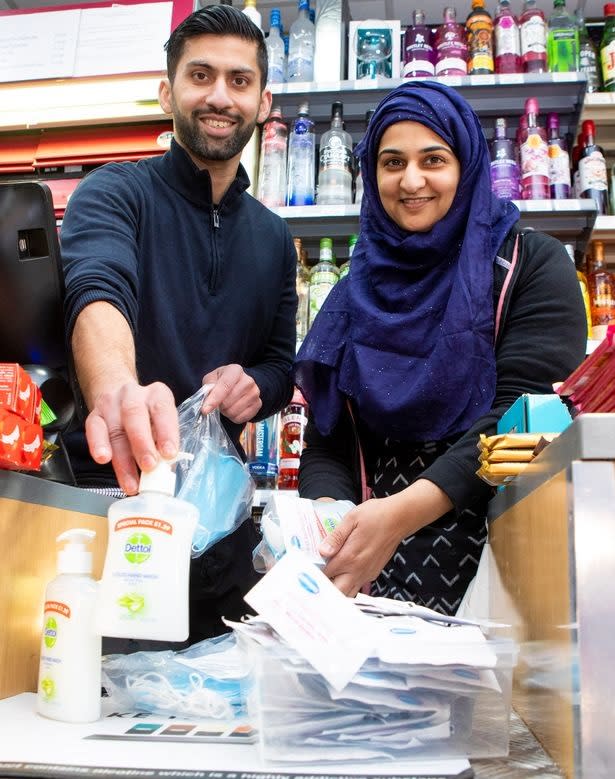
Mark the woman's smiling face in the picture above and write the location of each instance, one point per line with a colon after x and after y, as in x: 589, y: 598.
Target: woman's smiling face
x: 417, y: 175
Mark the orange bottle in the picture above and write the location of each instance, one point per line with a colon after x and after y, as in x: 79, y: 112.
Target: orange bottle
x: 601, y: 287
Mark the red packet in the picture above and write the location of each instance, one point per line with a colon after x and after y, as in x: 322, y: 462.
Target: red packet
x: 32, y: 447
x: 18, y: 393
x: 11, y: 432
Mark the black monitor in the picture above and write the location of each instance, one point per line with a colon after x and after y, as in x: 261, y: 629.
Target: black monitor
x: 31, y: 286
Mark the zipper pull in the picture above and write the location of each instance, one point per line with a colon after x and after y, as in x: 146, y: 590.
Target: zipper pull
x: 216, y: 216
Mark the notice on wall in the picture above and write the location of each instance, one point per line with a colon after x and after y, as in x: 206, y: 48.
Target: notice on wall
x: 84, y: 41
x: 123, y: 39
x: 38, y: 45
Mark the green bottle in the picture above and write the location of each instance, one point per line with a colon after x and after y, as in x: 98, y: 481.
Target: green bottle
x: 345, y: 267
x: 562, y: 40
x: 323, y: 276
x: 607, y: 48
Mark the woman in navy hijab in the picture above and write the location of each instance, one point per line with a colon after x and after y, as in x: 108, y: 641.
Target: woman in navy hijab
x: 447, y: 316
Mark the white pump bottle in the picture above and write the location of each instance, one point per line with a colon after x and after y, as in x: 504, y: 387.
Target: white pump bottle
x: 144, y: 588
x: 69, y: 673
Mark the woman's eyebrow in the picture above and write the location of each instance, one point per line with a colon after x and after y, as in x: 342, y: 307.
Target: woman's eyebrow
x: 426, y: 150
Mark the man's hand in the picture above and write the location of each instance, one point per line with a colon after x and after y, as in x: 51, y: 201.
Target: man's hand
x: 234, y: 393
x: 131, y: 426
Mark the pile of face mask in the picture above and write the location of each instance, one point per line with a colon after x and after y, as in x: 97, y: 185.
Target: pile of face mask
x: 428, y: 685
x: 210, y: 679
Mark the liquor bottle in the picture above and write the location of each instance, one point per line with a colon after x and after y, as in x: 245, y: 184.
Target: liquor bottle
x: 345, y: 266
x: 607, y: 48
x: 533, y: 33
x: 588, y: 56
x: 323, y: 277
x: 559, y: 160
x: 250, y: 10
x: 451, y: 46
x: 303, y: 294
x: 292, y: 429
x: 504, y: 167
x: 335, y: 165
x: 562, y: 40
x: 301, y: 160
x: 479, y: 26
x: 419, y: 56
x: 592, y: 168
x: 601, y: 288
x: 262, y: 451
x: 584, y: 290
x: 275, y: 49
x: 507, y: 40
x: 534, y: 154
x: 301, y: 46
x: 272, y: 168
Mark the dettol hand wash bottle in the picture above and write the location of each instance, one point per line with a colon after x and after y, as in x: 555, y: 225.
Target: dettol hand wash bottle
x: 144, y: 588
x: 69, y: 674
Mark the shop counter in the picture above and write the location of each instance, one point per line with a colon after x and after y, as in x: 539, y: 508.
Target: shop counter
x: 550, y: 578
x: 32, y: 513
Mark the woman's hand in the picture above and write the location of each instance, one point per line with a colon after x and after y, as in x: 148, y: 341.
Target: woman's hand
x: 367, y: 537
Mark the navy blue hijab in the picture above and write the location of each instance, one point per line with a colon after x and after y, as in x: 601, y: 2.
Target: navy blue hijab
x: 408, y: 334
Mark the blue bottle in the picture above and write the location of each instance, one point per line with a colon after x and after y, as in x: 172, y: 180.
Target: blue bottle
x: 301, y: 160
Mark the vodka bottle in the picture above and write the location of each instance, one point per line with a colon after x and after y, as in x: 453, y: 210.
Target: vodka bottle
x: 562, y: 40
x: 250, y: 10
x: 301, y: 160
x: 301, y: 46
x: 335, y: 168
x: 275, y: 49
x: 272, y: 172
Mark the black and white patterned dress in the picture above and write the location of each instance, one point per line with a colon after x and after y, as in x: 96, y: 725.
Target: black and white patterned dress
x: 434, y: 566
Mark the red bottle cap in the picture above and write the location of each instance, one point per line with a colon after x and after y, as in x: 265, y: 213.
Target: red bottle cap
x: 531, y: 105
x: 609, y: 9
x: 588, y: 127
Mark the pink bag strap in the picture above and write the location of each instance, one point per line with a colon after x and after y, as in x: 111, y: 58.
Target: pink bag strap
x: 366, y: 492
x: 507, y: 280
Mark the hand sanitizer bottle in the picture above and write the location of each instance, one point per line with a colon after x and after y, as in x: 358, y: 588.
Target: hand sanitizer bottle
x: 144, y: 588
x: 69, y: 674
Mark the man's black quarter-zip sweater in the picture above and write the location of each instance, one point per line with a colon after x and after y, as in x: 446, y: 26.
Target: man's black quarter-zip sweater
x: 201, y: 284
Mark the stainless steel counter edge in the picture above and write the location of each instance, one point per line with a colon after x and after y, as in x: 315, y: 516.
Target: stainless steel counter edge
x: 31, y: 489
x: 589, y: 437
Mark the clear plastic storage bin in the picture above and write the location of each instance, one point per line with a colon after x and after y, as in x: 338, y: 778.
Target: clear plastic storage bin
x: 425, y: 710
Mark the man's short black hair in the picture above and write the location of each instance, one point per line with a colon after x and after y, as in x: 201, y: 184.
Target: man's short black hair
x: 216, y: 20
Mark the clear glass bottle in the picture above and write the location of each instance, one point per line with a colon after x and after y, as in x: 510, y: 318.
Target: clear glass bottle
x: 301, y: 46
x: 251, y: 11
x: 345, y: 266
x: 335, y: 162
x: 323, y: 278
x: 507, y: 40
x: 303, y: 294
x: 292, y: 429
x: 275, y: 49
x: 588, y: 56
x: 601, y: 287
x: 533, y: 33
x: 562, y: 40
x: 273, y: 163
x: 301, y: 160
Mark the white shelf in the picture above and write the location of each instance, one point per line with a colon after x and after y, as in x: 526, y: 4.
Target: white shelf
x: 604, y: 228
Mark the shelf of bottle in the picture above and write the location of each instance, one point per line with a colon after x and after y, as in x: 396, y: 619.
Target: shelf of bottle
x: 134, y: 98
x: 600, y: 107
x: 569, y: 220
x: 491, y: 96
x: 604, y: 229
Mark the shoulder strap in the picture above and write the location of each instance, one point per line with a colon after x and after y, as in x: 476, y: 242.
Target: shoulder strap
x: 505, y: 286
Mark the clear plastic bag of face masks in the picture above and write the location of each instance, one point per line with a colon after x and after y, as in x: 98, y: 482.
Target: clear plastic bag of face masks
x: 213, y: 477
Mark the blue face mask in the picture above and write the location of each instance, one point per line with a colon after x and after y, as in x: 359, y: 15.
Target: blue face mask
x: 220, y: 486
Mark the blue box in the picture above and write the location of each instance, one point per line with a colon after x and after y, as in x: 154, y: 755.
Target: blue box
x: 535, y: 414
